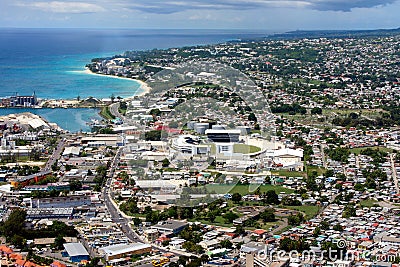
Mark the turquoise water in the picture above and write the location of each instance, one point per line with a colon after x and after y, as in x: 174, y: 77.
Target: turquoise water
x: 73, y: 120
x: 50, y: 62
x: 62, y: 77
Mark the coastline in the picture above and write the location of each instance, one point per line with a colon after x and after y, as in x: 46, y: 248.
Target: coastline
x: 143, y: 85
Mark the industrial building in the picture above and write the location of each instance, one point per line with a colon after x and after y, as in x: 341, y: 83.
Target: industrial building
x: 119, y: 251
x: 76, y: 252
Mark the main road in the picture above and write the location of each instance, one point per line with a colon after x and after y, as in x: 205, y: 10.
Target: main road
x: 120, y: 218
x: 56, y: 155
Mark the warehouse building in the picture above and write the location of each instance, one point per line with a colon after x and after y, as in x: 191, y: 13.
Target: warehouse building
x: 120, y: 251
x: 76, y: 252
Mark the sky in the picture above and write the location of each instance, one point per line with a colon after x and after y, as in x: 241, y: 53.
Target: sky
x: 267, y: 15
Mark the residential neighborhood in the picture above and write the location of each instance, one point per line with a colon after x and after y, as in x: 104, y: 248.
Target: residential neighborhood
x: 245, y: 153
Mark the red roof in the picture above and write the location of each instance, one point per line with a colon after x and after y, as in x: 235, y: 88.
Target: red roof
x: 6, y: 249
x: 259, y: 231
x: 58, y: 264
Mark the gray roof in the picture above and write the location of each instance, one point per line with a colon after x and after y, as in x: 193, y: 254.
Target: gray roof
x: 169, y: 225
x: 123, y: 248
x: 75, y: 249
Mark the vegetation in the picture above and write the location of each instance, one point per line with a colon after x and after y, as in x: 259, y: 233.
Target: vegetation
x: 245, y: 149
x: 105, y: 113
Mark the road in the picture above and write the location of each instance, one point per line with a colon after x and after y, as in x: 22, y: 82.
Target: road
x: 120, y: 218
x: 114, y: 111
x: 115, y: 213
x: 55, y: 156
x: 394, y: 173
x: 324, y: 164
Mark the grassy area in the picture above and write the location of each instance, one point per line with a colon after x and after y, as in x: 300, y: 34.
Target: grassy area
x: 358, y: 150
x: 245, y: 189
x: 310, y: 211
x: 319, y: 170
x: 105, y: 113
x: 368, y: 203
x: 219, y: 221
x: 284, y: 229
x: 365, y: 112
x: 287, y: 173
x: 245, y: 149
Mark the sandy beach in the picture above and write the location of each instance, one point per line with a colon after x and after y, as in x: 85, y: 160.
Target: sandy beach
x: 143, y: 86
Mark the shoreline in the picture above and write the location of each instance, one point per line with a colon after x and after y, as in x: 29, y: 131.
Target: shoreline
x: 142, y: 85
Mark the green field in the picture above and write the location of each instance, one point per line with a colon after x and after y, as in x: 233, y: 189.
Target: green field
x: 245, y: 189
x: 319, y: 170
x: 368, y: 203
x: 239, y: 148
x: 287, y: 173
x: 219, y: 221
x: 245, y: 149
x: 358, y: 150
x: 310, y: 211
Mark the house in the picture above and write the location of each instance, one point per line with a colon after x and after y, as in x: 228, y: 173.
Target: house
x: 209, y: 245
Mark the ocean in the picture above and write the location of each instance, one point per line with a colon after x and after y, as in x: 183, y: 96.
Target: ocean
x: 50, y: 62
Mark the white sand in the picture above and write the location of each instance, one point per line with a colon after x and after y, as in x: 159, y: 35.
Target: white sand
x: 143, y: 86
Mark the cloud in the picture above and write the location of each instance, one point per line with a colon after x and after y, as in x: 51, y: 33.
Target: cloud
x: 64, y: 7
x: 173, y: 6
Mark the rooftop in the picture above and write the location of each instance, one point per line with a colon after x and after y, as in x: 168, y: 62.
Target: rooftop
x: 75, y: 249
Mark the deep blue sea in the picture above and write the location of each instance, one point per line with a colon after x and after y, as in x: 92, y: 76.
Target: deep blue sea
x: 51, y: 61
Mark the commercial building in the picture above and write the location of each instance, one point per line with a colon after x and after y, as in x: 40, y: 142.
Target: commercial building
x: 223, y: 136
x: 49, y: 213
x: 23, y: 101
x: 33, y: 178
x: 170, y: 226
x: 62, y: 202
x: 119, y: 251
x: 190, y: 144
x: 76, y: 252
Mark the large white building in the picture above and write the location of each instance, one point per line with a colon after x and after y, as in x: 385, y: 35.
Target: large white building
x: 190, y: 144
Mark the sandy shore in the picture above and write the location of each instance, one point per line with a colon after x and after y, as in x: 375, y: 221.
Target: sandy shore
x: 143, y: 86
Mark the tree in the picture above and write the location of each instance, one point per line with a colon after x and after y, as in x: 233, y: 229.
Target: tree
x: 338, y: 227
x: 155, y: 112
x: 268, y: 215
x: 236, y: 197
x: 226, y: 244
x: 324, y: 225
x: 295, y: 219
x: 68, y: 167
x: 316, y: 110
x: 230, y: 216
x: 153, y: 135
x: 59, y: 242
x: 252, y: 117
x: 136, y: 221
x: 18, y: 241
x: 271, y: 197
x: 14, y: 224
x: 75, y: 185
x: 317, y: 231
x: 349, y: 211
x: 165, y: 162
